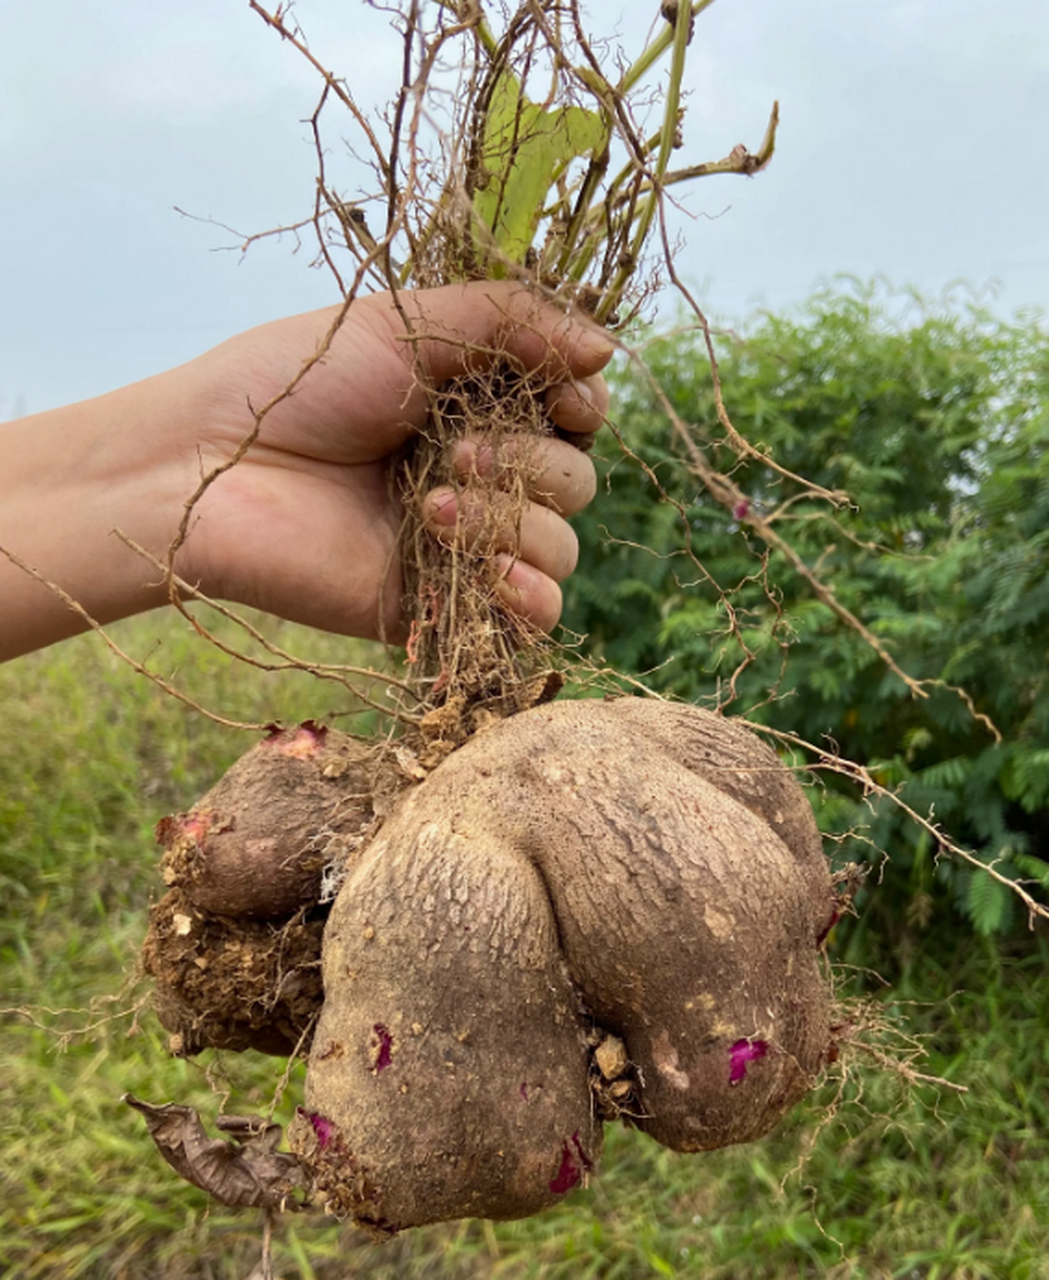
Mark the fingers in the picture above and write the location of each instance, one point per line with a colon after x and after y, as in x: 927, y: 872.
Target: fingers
x: 528, y: 592
x: 579, y: 406
x: 468, y: 328
x: 526, y: 579
x: 463, y: 328
x: 541, y: 538
x: 559, y: 475
x: 540, y: 549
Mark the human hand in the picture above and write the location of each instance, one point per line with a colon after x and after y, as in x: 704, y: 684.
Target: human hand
x: 305, y: 525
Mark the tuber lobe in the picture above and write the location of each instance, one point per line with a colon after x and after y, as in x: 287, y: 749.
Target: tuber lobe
x: 256, y: 845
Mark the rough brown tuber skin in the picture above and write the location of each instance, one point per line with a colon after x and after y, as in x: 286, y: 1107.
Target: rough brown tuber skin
x: 448, y: 1077
x: 691, y: 928
x: 647, y: 868
x: 257, y: 844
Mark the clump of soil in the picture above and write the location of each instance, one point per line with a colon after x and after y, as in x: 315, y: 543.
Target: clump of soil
x: 232, y: 983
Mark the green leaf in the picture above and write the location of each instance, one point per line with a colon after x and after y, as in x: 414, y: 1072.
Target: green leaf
x: 988, y: 904
x: 524, y: 149
x: 1032, y: 868
x: 660, y: 1265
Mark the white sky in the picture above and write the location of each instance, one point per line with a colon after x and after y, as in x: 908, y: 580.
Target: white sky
x: 912, y: 144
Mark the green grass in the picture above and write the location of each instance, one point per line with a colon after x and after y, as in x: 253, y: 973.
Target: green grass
x: 900, y: 1182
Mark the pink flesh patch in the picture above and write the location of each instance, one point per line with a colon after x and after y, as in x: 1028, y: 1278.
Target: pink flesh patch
x: 302, y: 743
x: 323, y: 1128
x: 573, y: 1165
x: 384, y: 1049
x: 197, y: 825
x: 524, y: 1092
x: 570, y: 1173
x: 742, y: 1052
x: 194, y: 826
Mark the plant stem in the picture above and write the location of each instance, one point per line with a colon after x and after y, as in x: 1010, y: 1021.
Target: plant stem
x: 682, y: 33
x: 656, y: 49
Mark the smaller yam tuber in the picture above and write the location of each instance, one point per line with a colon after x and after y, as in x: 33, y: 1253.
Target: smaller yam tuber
x: 234, y: 945
x: 257, y: 844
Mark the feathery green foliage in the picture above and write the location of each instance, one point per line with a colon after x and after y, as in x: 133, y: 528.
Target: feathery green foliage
x: 935, y: 422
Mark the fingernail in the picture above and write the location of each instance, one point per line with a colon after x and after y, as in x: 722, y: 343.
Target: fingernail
x: 444, y: 508
x: 484, y: 461
x: 512, y: 574
x: 502, y: 565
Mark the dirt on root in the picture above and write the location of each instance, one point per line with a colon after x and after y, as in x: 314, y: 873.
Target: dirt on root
x: 234, y: 983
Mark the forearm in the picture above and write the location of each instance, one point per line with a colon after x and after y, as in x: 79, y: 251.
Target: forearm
x: 70, y: 478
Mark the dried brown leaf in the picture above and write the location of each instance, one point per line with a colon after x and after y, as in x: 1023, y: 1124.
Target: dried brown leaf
x: 248, y: 1171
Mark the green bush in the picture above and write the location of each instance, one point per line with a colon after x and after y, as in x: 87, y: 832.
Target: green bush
x: 935, y: 422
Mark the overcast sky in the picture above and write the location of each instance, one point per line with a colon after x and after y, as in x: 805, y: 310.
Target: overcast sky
x: 912, y: 144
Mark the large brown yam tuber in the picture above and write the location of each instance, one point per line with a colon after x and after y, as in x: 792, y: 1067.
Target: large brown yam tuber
x: 641, y: 867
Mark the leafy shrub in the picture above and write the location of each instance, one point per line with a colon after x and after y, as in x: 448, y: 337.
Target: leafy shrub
x: 935, y: 421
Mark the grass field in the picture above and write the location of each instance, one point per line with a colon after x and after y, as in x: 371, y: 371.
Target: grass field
x: 915, y: 1181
